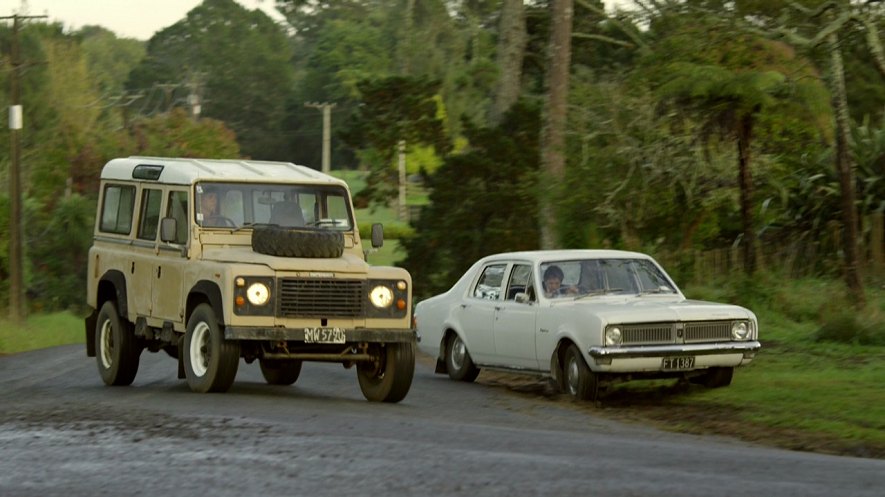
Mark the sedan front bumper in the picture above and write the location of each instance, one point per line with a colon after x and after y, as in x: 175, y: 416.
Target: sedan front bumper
x: 676, y: 350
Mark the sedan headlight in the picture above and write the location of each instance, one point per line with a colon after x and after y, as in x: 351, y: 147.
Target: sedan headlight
x: 740, y: 330
x: 381, y: 297
x: 613, y: 336
x: 258, y: 294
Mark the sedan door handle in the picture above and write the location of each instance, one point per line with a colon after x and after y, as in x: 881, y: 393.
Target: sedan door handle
x: 464, y: 306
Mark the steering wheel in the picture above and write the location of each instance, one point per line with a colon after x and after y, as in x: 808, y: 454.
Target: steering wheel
x: 219, y: 222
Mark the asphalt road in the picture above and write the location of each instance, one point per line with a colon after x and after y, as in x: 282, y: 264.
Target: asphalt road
x: 63, y: 433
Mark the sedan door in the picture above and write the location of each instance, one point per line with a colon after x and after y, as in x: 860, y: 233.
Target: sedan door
x: 476, y: 313
x: 515, y: 322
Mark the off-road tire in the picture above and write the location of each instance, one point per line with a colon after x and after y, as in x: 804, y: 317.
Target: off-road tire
x: 117, y: 349
x: 210, y: 360
x: 288, y: 242
x: 390, y: 377
x: 459, y: 364
x: 280, y: 371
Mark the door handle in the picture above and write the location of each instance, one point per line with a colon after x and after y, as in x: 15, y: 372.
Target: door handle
x: 159, y: 270
x: 464, y: 306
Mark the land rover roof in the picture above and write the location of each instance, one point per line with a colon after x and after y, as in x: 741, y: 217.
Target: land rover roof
x: 188, y: 171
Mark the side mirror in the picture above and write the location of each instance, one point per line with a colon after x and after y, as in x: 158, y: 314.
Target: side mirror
x: 168, y: 229
x: 377, y: 235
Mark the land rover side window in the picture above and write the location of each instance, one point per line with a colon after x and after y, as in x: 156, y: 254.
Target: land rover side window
x: 149, y: 217
x: 489, y: 284
x: 177, y: 208
x: 116, y: 211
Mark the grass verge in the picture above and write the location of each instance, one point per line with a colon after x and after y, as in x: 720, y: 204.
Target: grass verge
x: 41, y: 331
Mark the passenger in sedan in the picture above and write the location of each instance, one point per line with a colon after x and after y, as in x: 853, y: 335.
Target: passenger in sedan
x: 553, y: 283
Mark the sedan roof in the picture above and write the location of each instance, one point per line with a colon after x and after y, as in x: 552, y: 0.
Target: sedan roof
x: 563, y: 255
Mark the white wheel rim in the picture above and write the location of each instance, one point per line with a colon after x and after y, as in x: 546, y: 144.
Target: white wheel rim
x: 106, y: 341
x: 458, y: 353
x: 199, y: 349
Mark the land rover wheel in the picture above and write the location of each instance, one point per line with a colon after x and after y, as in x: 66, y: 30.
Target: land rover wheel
x: 280, y: 371
x: 117, y: 348
x: 577, y: 378
x: 210, y: 360
x: 287, y: 242
x: 389, y: 377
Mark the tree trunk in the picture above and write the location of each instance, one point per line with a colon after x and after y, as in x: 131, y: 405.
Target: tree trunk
x: 745, y: 180
x: 845, y: 168
x: 554, y: 116
x: 512, y: 39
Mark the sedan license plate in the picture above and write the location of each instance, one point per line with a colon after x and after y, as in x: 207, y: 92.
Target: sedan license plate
x: 677, y: 363
x: 324, y: 335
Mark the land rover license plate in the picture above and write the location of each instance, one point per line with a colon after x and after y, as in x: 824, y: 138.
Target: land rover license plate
x: 324, y: 335
x: 677, y: 363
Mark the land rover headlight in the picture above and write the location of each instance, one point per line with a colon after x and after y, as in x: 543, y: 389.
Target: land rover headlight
x: 258, y: 294
x: 613, y: 336
x: 740, y: 330
x: 381, y: 296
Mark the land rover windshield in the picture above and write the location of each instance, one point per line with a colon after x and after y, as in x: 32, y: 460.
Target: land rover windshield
x: 234, y: 205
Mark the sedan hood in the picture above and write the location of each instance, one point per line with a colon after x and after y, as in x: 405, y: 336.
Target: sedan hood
x: 626, y: 310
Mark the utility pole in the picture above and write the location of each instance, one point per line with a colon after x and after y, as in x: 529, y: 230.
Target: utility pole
x: 327, y: 131
x: 16, y: 259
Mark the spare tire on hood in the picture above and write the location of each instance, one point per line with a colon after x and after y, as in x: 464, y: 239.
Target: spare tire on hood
x: 289, y: 242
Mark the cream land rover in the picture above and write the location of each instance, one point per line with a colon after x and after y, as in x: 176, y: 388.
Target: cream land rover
x: 216, y: 260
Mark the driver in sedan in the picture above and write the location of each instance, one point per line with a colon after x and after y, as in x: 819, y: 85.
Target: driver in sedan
x: 553, y: 283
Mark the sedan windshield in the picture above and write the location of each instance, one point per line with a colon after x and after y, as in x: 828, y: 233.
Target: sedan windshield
x: 233, y: 205
x: 589, y: 277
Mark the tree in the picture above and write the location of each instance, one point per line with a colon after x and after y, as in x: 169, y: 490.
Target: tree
x: 392, y: 110
x: 512, y: 38
x: 235, y: 61
x: 555, y: 115
x: 483, y: 201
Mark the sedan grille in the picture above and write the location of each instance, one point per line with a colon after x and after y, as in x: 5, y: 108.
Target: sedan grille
x: 711, y: 331
x: 666, y: 333
x: 302, y: 297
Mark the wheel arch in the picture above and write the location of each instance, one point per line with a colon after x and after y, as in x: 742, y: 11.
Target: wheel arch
x: 111, y: 286
x: 205, y: 292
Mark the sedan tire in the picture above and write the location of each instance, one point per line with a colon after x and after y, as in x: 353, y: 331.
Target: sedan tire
x: 577, y: 378
x: 459, y: 364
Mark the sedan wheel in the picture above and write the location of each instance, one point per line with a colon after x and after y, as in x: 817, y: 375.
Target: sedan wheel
x: 458, y: 362
x: 579, y: 381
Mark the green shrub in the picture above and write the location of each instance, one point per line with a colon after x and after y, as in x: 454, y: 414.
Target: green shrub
x: 852, y: 327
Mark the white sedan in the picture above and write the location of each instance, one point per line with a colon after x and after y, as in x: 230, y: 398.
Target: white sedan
x: 585, y: 318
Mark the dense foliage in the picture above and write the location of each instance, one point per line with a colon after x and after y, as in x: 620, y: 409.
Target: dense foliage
x: 668, y: 103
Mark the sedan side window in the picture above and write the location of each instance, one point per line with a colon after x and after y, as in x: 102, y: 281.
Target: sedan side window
x: 520, y: 282
x: 489, y: 285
